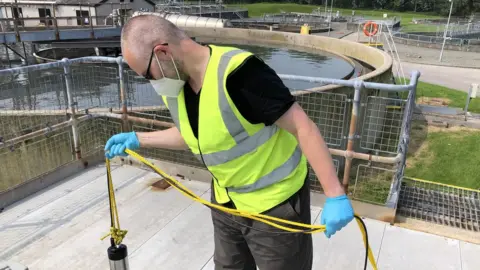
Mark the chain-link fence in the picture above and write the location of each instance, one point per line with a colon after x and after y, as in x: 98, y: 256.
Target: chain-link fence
x: 365, y: 125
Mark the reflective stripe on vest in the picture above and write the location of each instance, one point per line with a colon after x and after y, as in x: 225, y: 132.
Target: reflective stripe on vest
x: 244, y: 143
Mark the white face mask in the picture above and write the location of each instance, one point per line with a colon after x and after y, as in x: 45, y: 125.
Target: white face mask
x: 166, y: 86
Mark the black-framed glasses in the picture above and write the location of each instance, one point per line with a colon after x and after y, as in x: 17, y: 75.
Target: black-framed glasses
x: 147, y: 75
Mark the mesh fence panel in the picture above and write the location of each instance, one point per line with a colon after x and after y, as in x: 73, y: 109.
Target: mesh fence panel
x: 32, y: 158
x: 31, y: 101
x: 382, y: 124
x: 328, y: 111
x: 95, y: 86
x: 372, y: 184
x: 94, y: 133
x: 140, y: 92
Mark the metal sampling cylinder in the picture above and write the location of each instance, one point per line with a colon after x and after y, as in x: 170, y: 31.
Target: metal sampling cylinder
x: 118, y: 256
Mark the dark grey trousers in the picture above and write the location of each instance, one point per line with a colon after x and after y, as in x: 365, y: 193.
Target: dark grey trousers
x: 242, y: 248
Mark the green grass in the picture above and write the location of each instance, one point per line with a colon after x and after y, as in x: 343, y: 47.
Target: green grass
x: 455, y: 98
x: 448, y: 156
x: 258, y: 9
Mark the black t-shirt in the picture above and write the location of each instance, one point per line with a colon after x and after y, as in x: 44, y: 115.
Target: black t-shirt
x: 255, y: 89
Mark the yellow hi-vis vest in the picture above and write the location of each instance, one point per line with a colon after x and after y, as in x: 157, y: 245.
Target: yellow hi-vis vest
x: 254, y: 165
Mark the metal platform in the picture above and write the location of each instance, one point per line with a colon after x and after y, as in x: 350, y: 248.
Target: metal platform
x: 60, y: 228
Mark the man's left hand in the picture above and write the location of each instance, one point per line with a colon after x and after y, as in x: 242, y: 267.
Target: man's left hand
x: 336, y: 214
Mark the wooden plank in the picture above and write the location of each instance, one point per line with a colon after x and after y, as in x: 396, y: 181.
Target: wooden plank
x: 143, y: 215
x: 32, y: 227
x: 189, y: 235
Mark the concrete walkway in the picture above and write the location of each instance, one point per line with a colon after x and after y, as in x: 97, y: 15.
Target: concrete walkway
x: 60, y: 228
x: 431, y: 71
x: 428, y: 56
x: 452, y: 77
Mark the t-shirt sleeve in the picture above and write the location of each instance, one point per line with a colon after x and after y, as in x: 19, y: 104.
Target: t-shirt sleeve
x: 258, y: 93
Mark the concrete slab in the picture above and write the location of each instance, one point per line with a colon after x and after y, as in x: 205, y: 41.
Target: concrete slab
x: 408, y: 249
x: 345, y: 249
x: 6, y: 265
x: 61, y: 227
x: 191, y: 232
x: 470, y: 254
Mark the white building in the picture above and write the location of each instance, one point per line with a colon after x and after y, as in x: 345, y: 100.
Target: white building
x: 69, y: 13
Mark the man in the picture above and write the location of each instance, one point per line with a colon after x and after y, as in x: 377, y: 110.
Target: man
x: 238, y: 118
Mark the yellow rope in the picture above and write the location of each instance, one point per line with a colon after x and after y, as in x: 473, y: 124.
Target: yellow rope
x: 255, y: 216
x: 440, y: 184
x: 115, y: 232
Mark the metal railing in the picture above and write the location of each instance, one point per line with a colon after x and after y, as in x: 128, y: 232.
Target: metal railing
x: 437, y: 39
x: 56, y: 113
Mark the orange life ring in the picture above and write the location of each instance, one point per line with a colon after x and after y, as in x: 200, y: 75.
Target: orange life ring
x: 367, y: 26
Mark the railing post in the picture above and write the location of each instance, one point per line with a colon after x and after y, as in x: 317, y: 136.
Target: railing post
x: 351, y: 134
x: 123, y: 95
x: 393, y: 195
x: 71, y: 106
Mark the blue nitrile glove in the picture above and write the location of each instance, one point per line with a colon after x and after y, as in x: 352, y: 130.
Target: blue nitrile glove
x: 336, y: 214
x: 117, y: 144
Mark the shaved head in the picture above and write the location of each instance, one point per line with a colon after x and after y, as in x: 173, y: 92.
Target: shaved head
x: 155, y: 48
x: 141, y: 33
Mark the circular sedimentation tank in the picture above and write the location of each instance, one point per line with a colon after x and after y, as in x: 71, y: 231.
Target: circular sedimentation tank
x: 315, y: 56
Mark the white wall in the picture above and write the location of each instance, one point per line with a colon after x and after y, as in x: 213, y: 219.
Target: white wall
x: 70, y: 11
x: 31, y: 11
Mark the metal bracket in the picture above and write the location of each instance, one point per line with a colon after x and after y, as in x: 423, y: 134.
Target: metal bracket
x: 49, y: 129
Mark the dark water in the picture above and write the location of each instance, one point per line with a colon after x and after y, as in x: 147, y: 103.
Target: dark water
x: 95, y: 86
x: 286, y: 61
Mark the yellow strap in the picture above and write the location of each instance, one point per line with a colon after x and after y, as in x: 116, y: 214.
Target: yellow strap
x: 115, y: 232
x: 260, y: 217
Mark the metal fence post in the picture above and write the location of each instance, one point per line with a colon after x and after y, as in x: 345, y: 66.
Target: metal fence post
x: 71, y: 106
x: 351, y: 134
x: 123, y: 94
x: 393, y: 195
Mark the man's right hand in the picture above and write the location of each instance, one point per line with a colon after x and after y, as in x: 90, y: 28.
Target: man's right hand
x: 117, y: 144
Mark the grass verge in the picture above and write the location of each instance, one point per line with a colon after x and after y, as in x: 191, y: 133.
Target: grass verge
x: 449, y: 156
x: 433, y: 94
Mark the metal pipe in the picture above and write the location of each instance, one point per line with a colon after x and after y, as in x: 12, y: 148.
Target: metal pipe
x: 350, y: 83
x: 146, y: 121
x: 44, y: 131
x: 354, y: 155
x: 351, y: 134
x: 123, y: 96
x: 71, y: 105
x: 57, y: 64
x: 63, y: 112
